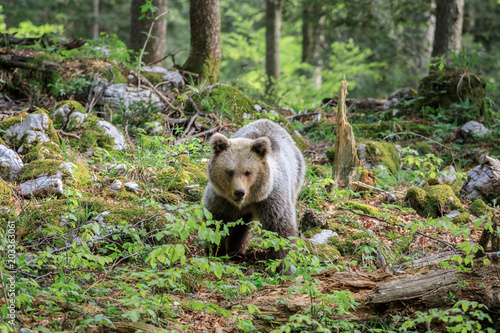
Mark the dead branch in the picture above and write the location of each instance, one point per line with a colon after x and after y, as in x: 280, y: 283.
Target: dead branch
x: 71, y: 135
x: 7, y: 40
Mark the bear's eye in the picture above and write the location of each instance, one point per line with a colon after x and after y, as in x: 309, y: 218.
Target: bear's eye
x: 230, y: 173
x: 247, y: 173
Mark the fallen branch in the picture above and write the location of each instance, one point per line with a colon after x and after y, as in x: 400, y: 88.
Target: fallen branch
x: 7, y: 40
x: 71, y: 135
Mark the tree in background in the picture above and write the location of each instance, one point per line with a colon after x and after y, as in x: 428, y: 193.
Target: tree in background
x: 274, y: 11
x: 205, y: 53
x: 148, y: 24
x: 313, y: 38
x: 449, y: 23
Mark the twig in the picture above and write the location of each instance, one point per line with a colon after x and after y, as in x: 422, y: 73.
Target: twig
x: 190, y: 123
x: 71, y: 135
x: 165, y: 57
x: 176, y: 120
x: 97, y: 96
x: 71, y: 110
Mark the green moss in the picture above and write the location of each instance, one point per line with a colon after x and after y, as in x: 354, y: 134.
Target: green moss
x: 433, y: 181
x: 172, y: 179
x: 461, y: 219
x: 438, y: 201
x: 362, y: 207
x: 479, y: 208
x: 311, y: 232
x: 423, y: 147
x: 72, y: 104
x: 154, y: 78
x: 446, y: 89
x: 92, y: 136
x: 416, y: 197
x: 79, y: 175
x: 325, y: 252
x: 345, y: 246
x: 197, y: 172
x: 46, y: 150
x: 9, y: 122
x: 300, y: 142
x: 167, y: 198
x: 384, y: 153
x: 330, y: 154
x: 6, y: 195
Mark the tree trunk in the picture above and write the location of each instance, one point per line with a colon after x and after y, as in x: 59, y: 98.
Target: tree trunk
x: 274, y: 10
x: 346, y: 164
x: 205, y: 54
x: 449, y: 22
x: 139, y: 30
x: 313, y: 21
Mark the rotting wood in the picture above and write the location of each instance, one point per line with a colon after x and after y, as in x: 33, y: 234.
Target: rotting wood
x: 14, y: 61
x: 7, y: 40
x: 346, y: 164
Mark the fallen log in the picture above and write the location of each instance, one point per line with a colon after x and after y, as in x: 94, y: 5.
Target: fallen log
x: 7, y: 40
x: 381, y: 294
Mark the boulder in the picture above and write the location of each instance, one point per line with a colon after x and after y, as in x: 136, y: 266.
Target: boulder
x: 114, y: 133
x: 121, y: 97
x: 42, y: 187
x: 11, y: 164
x: 165, y: 79
x: 71, y: 173
x: 398, y: 96
x: 473, y: 130
x: 115, y: 186
x: 483, y: 181
x: 33, y: 130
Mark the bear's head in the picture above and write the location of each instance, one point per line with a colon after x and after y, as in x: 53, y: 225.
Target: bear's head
x: 239, y: 169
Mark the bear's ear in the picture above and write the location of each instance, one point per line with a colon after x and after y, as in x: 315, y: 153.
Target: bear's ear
x: 261, y: 146
x: 218, y: 143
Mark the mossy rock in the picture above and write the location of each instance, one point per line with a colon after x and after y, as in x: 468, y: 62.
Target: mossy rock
x: 436, y: 202
x: 461, y: 219
x: 91, y: 136
x: 72, y: 173
x: 6, y: 195
x: 346, y: 247
x: 384, y: 153
x: 124, y: 193
x: 172, y: 179
x: 47, y: 150
x: 311, y: 232
x: 423, y: 148
x: 363, y: 208
x: 325, y: 252
x: 330, y: 154
x: 300, y: 142
x: 446, y: 89
x: 111, y: 72
x: 167, y: 199
x: 479, y: 208
x: 373, y: 130
x: 197, y: 172
x: 16, y: 143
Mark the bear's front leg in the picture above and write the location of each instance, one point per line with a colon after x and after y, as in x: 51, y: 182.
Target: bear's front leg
x: 279, y: 217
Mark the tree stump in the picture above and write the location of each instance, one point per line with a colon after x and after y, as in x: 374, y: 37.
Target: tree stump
x: 346, y: 166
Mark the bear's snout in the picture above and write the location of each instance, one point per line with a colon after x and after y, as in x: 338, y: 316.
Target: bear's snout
x: 239, y: 194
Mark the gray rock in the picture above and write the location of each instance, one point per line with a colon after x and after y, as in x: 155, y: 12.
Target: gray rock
x: 173, y: 79
x: 362, y: 155
x: 473, y: 130
x: 154, y: 128
x: 42, y: 187
x: 323, y: 236
x: 122, y: 97
x: 132, y: 187
x: 115, y: 168
x: 390, y: 198
x: 115, y: 186
x: 483, y: 181
x: 454, y: 213
x: 32, y: 128
x: 447, y: 176
x: 11, y: 164
x: 397, y: 97
x: 60, y: 115
x: 113, y: 132
x: 257, y: 108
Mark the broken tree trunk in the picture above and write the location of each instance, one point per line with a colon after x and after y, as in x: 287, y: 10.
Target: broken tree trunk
x: 346, y: 166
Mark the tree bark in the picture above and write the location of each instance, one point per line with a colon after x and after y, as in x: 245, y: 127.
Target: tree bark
x: 313, y: 21
x: 139, y: 30
x: 205, y: 54
x: 274, y: 11
x: 449, y: 22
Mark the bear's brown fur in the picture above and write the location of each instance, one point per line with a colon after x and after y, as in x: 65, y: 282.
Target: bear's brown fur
x: 255, y: 175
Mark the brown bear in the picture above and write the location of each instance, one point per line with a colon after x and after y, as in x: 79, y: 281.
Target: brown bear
x: 255, y: 175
